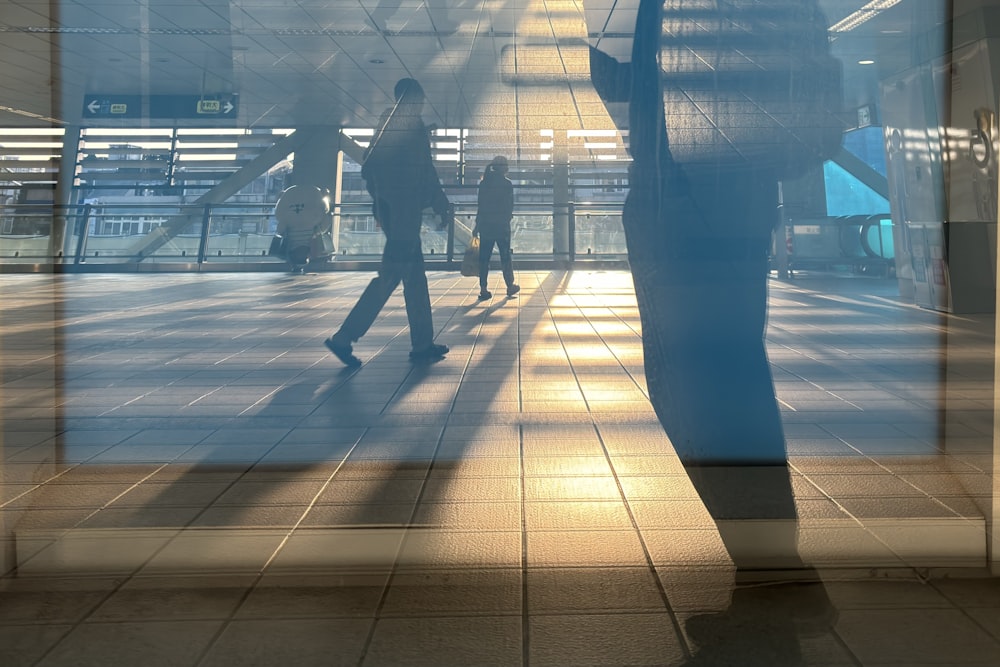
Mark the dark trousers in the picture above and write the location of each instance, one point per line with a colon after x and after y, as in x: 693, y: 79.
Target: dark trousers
x: 402, y: 261
x: 486, y: 252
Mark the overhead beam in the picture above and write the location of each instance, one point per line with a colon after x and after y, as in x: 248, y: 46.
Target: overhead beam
x: 351, y: 148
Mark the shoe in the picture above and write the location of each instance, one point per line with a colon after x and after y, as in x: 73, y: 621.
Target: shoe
x: 513, y: 289
x: 342, y: 351
x: 433, y: 351
x: 485, y: 295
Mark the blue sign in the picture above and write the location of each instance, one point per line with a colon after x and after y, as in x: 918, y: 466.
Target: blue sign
x: 112, y: 106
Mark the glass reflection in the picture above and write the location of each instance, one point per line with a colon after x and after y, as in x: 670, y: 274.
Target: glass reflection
x: 789, y: 373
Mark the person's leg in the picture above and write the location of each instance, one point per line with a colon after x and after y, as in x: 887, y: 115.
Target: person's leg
x: 417, y: 299
x: 485, y: 255
x: 507, y: 265
x: 361, y: 317
x: 418, y: 311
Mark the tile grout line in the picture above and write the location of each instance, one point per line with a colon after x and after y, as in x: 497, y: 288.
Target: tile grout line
x: 650, y: 565
x: 252, y: 586
x: 383, y: 597
x: 525, y: 608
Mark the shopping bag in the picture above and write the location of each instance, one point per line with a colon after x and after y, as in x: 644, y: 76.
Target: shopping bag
x: 321, y: 245
x: 470, y: 261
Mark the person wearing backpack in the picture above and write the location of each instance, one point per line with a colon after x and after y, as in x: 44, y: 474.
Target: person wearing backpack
x: 399, y: 174
x: 493, y: 215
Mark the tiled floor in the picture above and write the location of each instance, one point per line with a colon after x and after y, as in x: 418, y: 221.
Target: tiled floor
x: 190, y: 479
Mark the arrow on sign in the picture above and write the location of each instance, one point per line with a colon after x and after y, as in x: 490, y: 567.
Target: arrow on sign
x: 111, y: 106
x: 228, y: 107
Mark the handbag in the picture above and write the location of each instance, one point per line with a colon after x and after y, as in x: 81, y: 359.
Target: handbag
x: 470, y: 261
x: 277, y: 248
x: 321, y: 244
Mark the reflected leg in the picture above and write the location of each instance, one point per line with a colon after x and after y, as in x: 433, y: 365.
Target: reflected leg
x: 417, y: 298
x: 506, y: 261
x: 485, y: 255
x: 372, y: 300
x: 698, y: 250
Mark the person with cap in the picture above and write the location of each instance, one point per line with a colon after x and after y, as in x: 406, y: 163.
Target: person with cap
x: 399, y: 174
x: 493, y: 215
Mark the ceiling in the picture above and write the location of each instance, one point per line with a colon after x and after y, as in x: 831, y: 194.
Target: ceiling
x: 501, y: 66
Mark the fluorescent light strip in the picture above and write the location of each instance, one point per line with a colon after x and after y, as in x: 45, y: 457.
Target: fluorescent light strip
x: 591, y: 133
x: 865, y: 13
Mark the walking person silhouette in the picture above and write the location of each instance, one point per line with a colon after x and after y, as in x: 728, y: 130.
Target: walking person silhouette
x: 493, y: 215
x: 400, y: 176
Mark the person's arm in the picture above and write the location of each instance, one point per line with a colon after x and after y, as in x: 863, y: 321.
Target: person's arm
x: 479, y: 207
x: 438, y: 199
x: 508, y: 199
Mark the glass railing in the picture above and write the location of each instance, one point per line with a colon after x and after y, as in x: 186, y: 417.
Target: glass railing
x: 598, y: 230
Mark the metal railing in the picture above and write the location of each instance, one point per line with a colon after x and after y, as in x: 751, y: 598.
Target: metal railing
x: 181, y: 235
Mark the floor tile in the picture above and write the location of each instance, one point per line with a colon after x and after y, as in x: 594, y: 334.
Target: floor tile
x: 447, y: 642
x: 912, y: 636
x: 554, y: 590
x: 489, y: 592
x: 159, y: 643
x: 255, y: 502
x: 307, y: 642
x: 603, y: 639
x: 593, y: 548
x: 23, y: 645
x: 173, y: 599
x: 296, y: 595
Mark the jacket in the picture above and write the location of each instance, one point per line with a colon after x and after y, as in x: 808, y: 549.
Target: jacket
x: 496, y: 205
x: 399, y: 167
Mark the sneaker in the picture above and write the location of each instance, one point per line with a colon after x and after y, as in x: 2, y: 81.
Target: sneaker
x: 342, y: 351
x: 433, y: 351
x: 485, y: 295
x: 513, y: 289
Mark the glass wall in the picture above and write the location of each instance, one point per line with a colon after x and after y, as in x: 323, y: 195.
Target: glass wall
x: 735, y: 402
x: 117, y: 207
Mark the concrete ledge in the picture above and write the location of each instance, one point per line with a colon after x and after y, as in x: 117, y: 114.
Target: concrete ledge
x: 880, y: 542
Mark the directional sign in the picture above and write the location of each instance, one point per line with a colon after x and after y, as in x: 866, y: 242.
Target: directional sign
x: 112, y: 106
x: 174, y: 107
x: 203, y: 107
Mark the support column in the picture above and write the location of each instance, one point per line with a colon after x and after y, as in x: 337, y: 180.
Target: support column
x: 560, y: 199
x: 61, y: 241
x: 336, y: 198
x: 319, y: 163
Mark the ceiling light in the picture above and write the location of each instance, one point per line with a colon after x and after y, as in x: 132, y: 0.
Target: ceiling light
x: 591, y: 133
x: 864, y: 14
x: 866, y: 62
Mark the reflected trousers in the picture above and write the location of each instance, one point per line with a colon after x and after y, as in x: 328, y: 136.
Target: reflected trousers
x: 402, y: 261
x: 486, y: 244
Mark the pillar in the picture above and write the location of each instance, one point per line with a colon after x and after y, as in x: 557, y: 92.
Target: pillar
x: 61, y: 241
x: 560, y: 199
